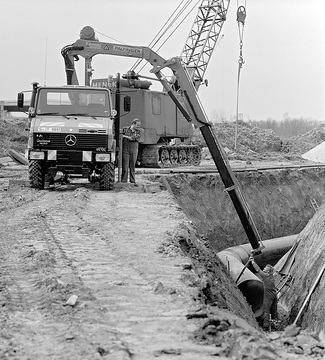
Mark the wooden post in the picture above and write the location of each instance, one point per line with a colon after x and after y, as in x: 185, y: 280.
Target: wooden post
x: 119, y: 170
x: 2, y: 110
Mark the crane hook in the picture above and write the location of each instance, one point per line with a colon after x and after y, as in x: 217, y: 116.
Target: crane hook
x: 241, y: 14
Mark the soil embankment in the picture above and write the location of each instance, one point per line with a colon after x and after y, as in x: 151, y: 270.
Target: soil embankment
x: 280, y: 202
x: 304, y: 300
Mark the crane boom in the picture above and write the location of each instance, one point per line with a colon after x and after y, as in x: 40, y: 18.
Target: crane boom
x: 203, y: 37
x: 191, y: 107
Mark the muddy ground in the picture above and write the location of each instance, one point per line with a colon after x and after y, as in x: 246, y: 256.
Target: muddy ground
x: 125, y: 274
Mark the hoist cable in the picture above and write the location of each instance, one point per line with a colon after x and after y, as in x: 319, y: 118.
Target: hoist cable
x: 169, y: 26
x: 178, y: 15
x: 241, y: 17
x: 162, y: 31
x: 184, y: 18
x: 172, y: 22
x: 98, y: 32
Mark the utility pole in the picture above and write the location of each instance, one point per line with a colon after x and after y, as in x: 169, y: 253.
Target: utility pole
x: 45, y: 65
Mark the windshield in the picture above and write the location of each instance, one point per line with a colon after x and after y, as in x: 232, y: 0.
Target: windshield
x: 83, y: 102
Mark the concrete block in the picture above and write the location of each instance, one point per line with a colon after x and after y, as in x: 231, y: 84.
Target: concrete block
x: 152, y: 188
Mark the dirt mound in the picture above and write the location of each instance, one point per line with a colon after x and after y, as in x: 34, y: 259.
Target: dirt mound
x: 13, y: 135
x: 305, y: 142
x: 248, y: 137
x: 254, y: 143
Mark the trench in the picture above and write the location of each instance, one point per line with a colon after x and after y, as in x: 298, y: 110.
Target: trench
x: 281, y: 203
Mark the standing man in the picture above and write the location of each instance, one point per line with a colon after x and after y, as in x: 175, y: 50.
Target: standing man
x: 131, y: 137
x: 270, y: 301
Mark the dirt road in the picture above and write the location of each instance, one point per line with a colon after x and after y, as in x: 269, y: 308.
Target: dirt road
x: 86, y: 274
x: 106, y: 248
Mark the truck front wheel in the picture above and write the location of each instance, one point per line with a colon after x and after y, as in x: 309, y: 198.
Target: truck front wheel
x: 107, y: 177
x: 36, y: 174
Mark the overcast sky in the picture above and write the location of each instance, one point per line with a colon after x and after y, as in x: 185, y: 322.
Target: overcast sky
x: 283, y: 50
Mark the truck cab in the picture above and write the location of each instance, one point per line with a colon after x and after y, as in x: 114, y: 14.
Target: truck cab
x: 72, y: 132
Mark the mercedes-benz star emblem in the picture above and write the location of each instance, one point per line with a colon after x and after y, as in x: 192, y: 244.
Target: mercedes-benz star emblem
x: 70, y: 140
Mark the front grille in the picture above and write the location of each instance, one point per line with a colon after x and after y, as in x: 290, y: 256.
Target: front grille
x: 69, y: 157
x: 57, y: 141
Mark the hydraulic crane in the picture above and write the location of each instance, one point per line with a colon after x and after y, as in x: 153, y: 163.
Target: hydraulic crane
x: 190, y: 106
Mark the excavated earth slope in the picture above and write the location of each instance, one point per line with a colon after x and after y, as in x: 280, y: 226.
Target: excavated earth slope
x: 305, y: 298
x: 280, y: 202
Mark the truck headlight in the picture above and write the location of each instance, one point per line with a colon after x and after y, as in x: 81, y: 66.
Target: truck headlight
x: 36, y: 155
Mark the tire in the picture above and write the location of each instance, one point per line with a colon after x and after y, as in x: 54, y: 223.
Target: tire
x: 48, y: 179
x: 36, y: 174
x: 107, y: 177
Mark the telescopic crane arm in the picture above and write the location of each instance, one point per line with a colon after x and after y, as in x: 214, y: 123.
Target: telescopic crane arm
x: 192, y: 110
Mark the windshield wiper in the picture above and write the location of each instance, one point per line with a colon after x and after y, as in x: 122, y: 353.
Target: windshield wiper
x: 51, y: 113
x: 77, y: 114
x: 81, y: 114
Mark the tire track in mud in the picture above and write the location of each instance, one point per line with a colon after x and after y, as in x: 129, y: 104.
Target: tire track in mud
x: 20, y: 296
x: 103, y: 247
x: 11, y: 232
x: 36, y: 280
x: 113, y: 262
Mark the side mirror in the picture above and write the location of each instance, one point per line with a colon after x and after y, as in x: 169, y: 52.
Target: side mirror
x: 20, y: 100
x: 127, y: 103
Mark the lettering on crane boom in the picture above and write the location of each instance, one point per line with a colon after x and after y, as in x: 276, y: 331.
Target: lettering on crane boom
x: 126, y: 49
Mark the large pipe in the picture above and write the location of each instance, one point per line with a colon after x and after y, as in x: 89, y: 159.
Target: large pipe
x: 235, y: 259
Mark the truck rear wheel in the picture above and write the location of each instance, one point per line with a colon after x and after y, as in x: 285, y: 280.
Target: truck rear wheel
x: 107, y: 177
x: 36, y: 174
